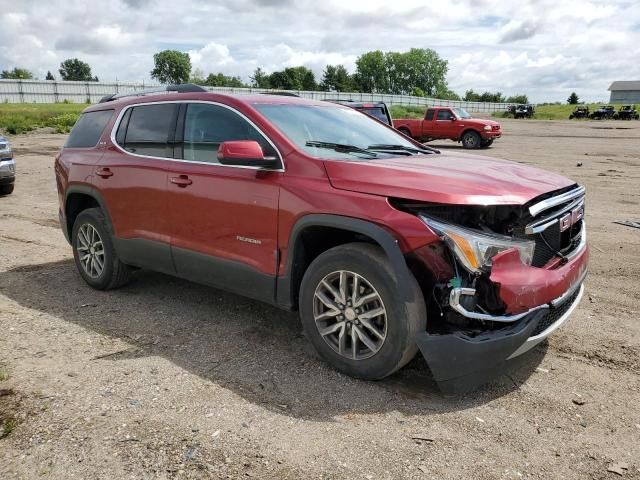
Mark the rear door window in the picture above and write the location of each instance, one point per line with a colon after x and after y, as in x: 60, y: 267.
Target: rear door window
x: 430, y: 113
x: 150, y: 130
x: 88, y: 129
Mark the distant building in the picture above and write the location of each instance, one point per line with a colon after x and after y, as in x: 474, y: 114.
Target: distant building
x: 625, y: 92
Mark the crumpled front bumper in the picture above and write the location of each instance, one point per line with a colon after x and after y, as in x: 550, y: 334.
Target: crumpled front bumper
x: 460, y: 363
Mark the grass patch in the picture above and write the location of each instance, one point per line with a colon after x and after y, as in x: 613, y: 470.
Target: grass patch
x: 19, y: 118
x: 401, y: 111
x: 553, y: 112
x: 8, y: 427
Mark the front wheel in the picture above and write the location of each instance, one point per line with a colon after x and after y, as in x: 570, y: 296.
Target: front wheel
x: 351, y: 314
x: 471, y: 140
x: 94, y: 254
x: 487, y: 143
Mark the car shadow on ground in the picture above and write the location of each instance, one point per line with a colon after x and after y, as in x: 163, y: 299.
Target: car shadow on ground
x: 257, y: 351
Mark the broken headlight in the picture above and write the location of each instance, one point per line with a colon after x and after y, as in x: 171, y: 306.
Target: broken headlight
x: 475, y: 249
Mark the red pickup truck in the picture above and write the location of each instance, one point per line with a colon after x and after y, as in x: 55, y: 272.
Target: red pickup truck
x: 452, y: 123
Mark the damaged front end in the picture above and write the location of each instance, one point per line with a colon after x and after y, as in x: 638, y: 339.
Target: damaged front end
x: 505, y: 278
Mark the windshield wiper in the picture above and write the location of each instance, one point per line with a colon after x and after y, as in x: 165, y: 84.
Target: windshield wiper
x: 340, y: 147
x: 392, y: 147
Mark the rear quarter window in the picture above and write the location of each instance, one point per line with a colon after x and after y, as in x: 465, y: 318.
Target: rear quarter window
x: 88, y: 129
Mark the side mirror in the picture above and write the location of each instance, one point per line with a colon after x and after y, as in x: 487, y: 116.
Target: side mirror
x: 246, y: 153
x: 453, y: 119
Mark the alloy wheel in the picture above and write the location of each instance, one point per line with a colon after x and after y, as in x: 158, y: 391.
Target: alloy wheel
x: 350, y: 315
x: 90, y: 250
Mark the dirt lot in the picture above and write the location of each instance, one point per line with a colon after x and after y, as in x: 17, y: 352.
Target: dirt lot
x: 168, y: 379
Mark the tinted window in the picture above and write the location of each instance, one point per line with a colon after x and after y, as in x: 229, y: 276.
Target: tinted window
x: 375, y: 112
x: 444, y: 115
x: 149, y: 129
x: 88, y: 129
x: 207, y: 126
x: 430, y: 114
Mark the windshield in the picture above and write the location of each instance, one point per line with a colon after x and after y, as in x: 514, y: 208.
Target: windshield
x: 461, y: 113
x: 305, y: 124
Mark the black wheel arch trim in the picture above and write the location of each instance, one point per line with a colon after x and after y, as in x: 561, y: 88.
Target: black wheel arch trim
x: 285, y: 293
x: 90, y: 192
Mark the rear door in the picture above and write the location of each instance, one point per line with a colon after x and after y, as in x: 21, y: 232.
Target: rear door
x: 224, y: 218
x: 132, y: 178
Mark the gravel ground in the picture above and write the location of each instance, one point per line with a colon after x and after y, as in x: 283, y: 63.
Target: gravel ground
x: 168, y: 379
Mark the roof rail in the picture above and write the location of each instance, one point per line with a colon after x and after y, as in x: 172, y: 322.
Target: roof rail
x: 181, y: 88
x: 283, y: 93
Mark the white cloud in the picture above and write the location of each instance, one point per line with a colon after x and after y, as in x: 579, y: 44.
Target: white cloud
x: 539, y: 47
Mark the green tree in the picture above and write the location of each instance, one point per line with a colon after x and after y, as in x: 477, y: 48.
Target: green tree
x: 489, y: 97
x: 517, y: 99
x: 74, y: 69
x: 260, y: 79
x: 171, y: 67
x: 336, y: 78
x: 293, y: 78
x: 17, y: 74
x: 222, y: 80
x: 573, y: 99
x: 49, y: 76
x: 445, y: 94
x: 371, y: 72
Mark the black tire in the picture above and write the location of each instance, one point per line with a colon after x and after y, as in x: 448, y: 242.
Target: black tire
x: 471, y: 140
x: 404, y: 131
x: 7, y: 189
x: 402, y: 324
x: 487, y: 143
x: 114, y: 273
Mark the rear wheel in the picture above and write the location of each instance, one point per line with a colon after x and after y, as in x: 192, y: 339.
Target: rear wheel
x: 6, y: 189
x: 471, y: 139
x: 93, y: 252
x: 405, y: 131
x: 351, y: 315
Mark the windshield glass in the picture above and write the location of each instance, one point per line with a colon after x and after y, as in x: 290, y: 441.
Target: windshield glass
x: 331, y: 124
x: 461, y: 113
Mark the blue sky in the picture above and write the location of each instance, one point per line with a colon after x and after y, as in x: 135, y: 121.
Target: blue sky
x: 543, y: 48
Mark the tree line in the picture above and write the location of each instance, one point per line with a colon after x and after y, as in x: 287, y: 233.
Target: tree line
x: 418, y: 72
x: 70, y: 69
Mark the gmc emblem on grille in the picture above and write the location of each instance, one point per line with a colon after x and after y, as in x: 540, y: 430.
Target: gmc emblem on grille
x: 571, y: 218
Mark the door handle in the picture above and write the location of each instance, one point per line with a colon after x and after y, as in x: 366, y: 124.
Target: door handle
x: 104, y: 173
x: 181, y: 181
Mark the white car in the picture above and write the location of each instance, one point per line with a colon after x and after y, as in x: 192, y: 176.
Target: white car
x: 7, y: 167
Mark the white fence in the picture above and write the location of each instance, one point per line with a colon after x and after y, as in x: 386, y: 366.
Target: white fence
x: 42, y: 91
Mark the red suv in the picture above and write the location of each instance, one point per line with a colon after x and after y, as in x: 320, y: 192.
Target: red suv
x: 384, y: 246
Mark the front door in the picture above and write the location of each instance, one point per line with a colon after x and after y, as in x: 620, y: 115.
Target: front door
x: 224, y: 218
x: 446, y: 124
x: 132, y: 178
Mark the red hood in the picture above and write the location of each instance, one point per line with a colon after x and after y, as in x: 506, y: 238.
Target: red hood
x: 446, y: 178
x: 480, y: 122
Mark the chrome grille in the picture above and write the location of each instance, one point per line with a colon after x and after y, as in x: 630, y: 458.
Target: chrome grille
x: 557, y: 226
